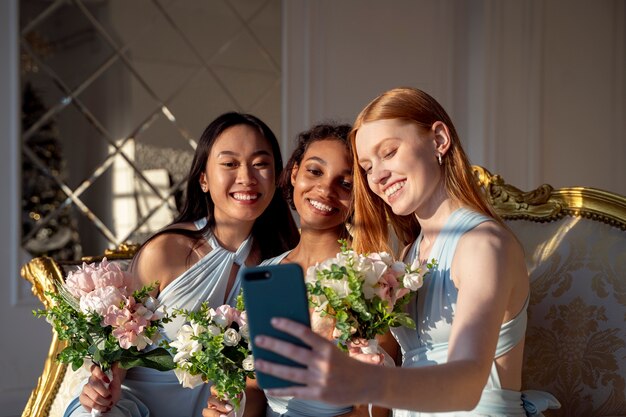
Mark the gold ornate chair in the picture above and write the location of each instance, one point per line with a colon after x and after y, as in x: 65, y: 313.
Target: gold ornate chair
x: 58, y: 383
x: 575, y: 243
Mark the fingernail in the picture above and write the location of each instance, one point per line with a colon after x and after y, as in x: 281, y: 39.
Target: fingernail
x: 223, y: 415
x: 228, y: 407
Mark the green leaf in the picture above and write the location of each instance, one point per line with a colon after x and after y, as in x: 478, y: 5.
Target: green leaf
x: 159, y: 359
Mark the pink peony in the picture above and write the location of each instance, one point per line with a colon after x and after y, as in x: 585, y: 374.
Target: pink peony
x: 93, y: 276
x: 81, y: 282
x: 129, y: 324
x: 388, y: 288
x: 224, y: 315
x: 100, y: 299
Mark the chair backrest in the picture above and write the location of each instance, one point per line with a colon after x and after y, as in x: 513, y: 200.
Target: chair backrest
x: 58, y: 383
x: 575, y: 243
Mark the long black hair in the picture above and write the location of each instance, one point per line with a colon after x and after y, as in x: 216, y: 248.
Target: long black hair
x: 274, y: 231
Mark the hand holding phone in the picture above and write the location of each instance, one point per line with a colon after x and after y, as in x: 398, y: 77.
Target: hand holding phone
x: 274, y: 291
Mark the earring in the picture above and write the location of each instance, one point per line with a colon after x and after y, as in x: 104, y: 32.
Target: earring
x: 204, y: 190
x: 439, y: 159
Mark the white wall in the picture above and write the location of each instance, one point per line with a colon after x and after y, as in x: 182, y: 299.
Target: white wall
x: 25, y: 339
x: 536, y: 88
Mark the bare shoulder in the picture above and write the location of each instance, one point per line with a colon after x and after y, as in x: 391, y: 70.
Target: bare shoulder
x: 491, y: 256
x: 491, y: 237
x: 166, y: 257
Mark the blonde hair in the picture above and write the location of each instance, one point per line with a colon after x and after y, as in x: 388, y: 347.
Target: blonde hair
x: 371, y: 214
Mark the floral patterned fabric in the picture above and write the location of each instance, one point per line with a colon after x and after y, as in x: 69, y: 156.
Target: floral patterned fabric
x: 576, y: 337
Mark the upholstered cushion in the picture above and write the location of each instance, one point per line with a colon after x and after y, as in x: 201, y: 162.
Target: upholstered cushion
x: 576, y: 338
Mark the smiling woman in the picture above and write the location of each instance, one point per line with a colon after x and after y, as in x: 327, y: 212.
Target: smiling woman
x: 231, y: 217
x: 465, y: 355
x: 317, y: 183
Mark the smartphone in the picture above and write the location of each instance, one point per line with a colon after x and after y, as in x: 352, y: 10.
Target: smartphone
x: 274, y: 291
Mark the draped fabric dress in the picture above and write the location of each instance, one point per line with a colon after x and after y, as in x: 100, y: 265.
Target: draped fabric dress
x: 433, y: 310
x: 294, y: 407
x: 151, y: 393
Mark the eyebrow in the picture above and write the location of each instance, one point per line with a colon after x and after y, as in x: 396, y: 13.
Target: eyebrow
x: 376, y: 147
x: 255, y: 153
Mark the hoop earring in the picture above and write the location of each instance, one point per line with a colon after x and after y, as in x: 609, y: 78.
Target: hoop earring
x: 439, y: 159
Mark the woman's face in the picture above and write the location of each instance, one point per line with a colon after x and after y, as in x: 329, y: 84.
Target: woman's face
x: 322, y: 185
x: 400, y: 161
x: 240, y: 175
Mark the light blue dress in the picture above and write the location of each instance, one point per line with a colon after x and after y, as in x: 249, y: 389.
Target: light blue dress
x: 151, y: 393
x: 294, y: 407
x: 433, y: 312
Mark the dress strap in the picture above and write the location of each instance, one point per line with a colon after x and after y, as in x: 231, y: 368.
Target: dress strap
x: 239, y: 256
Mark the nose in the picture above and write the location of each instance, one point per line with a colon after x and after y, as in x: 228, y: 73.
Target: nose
x: 379, y: 175
x: 324, y: 187
x: 245, y: 175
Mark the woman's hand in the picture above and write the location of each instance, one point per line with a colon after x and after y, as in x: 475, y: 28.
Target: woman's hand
x: 330, y: 375
x: 216, y: 407
x: 355, y: 350
x: 101, y: 392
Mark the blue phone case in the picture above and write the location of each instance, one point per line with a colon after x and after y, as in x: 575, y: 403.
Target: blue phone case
x: 274, y: 291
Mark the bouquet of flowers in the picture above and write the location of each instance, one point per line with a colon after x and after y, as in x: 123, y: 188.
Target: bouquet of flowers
x: 102, y: 318
x: 364, y: 294
x: 214, y: 346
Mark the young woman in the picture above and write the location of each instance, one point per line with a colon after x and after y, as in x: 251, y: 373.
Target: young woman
x: 465, y: 357
x: 230, y: 207
x: 317, y: 183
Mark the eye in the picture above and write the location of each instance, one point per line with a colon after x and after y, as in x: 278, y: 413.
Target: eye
x: 261, y: 164
x: 367, y: 169
x: 314, y: 172
x: 389, y: 154
x: 346, y: 184
x: 230, y: 164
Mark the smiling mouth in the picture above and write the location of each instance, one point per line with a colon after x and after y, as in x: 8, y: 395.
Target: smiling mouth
x: 321, y: 206
x: 394, y: 188
x: 246, y: 196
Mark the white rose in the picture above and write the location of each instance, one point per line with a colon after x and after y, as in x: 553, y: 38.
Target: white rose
x: 231, y: 337
x: 214, y: 330
x: 371, y: 270
x: 244, y: 331
x: 340, y: 286
x: 311, y: 274
x: 248, y: 363
x: 369, y: 291
x: 382, y: 256
x: 187, y: 380
x: 184, y: 344
x: 413, y: 281
x: 198, y: 329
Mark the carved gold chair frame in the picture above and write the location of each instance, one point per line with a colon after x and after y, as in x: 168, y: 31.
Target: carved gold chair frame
x: 546, y: 204
x: 43, y: 272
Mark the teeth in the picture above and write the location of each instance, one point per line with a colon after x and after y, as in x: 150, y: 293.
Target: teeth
x: 320, y: 206
x: 245, y: 196
x: 394, y: 188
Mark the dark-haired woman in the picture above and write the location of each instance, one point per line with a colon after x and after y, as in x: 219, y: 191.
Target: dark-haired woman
x: 230, y: 209
x: 317, y: 183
